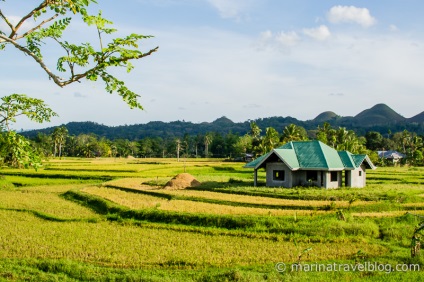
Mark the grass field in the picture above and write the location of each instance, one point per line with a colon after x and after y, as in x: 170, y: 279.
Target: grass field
x: 110, y: 220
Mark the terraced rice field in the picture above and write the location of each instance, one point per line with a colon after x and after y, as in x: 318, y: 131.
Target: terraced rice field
x: 106, y: 219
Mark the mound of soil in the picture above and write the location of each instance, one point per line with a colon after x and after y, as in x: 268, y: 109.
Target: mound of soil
x: 181, y: 181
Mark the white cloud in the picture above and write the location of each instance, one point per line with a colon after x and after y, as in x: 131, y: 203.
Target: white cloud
x: 281, y: 41
x: 266, y: 35
x: 320, y: 33
x: 393, y: 28
x: 351, y: 14
x: 231, y: 9
x: 287, y: 38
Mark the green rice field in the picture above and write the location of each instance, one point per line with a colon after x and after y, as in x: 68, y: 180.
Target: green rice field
x: 111, y: 220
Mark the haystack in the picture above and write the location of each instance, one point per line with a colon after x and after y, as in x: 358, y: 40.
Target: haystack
x: 182, y: 181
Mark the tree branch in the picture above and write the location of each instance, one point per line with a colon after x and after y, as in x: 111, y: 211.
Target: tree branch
x: 137, y: 57
x: 77, y: 77
x: 30, y: 14
x: 55, y: 78
x: 6, y: 20
x: 35, y: 28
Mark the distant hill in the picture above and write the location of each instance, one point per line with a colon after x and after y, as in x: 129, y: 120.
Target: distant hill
x: 379, y: 114
x: 380, y: 118
x: 325, y: 116
x: 417, y: 118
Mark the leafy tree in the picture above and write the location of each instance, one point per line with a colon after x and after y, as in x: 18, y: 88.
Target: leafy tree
x: 71, y: 148
x: 374, y: 140
x: 15, y: 150
x: 243, y: 144
x: 43, y: 144
x: 207, y: 140
x: 145, y: 147
x: 123, y: 147
x: 86, y: 145
x: 326, y: 134
x: 217, y: 147
x: 16, y: 105
x: 50, y: 19
x: 269, y: 141
x: 255, y: 131
x: 132, y: 146
x: 294, y: 132
x: 59, y: 138
x: 348, y: 141
x: 341, y: 139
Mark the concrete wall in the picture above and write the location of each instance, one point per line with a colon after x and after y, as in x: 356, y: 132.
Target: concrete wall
x: 358, y: 177
x: 299, y: 178
x: 332, y: 184
x: 270, y: 167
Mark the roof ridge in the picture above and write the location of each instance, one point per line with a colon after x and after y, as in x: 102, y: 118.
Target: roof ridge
x: 322, y: 151
x: 349, y: 156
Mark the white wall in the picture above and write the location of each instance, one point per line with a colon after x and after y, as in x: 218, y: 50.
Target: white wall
x: 332, y: 184
x: 270, y: 167
x: 357, y: 180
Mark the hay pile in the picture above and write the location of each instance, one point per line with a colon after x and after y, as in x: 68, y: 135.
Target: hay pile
x: 181, y: 181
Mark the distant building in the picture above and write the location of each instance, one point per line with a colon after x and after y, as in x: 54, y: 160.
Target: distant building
x: 393, y: 156
x: 312, y: 163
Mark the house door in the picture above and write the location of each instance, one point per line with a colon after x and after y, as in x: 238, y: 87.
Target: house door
x: 347, y: 177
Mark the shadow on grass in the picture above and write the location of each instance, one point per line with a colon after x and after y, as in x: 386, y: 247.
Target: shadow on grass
x: 232, y: 183
x: 49, y: 217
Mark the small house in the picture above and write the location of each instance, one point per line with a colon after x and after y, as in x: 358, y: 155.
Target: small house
x: 312, y: 163
x: 393, y: 156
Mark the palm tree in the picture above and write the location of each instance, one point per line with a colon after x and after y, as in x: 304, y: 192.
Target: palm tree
x: 59, y: 137
x: 178, y: 141
x: 208, y: 141
x: 271, y: 139
x: 293, y: 132
x: 255, y: 131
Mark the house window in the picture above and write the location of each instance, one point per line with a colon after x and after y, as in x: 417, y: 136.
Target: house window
x: 311, y: 175
x: 333, y: 176
x: 278, y: 175
x: 360, y: 173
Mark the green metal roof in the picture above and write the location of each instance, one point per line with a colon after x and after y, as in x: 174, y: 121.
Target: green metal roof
x: 347, y: 159
x: 359, y: 159
x: 288, y: 157
x: 256, y: 161
x: 312, y: 155
x: 315, y: 154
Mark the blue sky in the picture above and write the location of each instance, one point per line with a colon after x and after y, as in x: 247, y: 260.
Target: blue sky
x: 244, y: 59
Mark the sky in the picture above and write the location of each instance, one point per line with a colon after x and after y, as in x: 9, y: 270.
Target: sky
x: 243, y: 59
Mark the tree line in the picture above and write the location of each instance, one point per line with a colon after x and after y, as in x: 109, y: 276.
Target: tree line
x: 230, y: 146
x: 18, y: 151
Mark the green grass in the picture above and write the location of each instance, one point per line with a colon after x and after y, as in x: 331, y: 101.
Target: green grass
x: 51, y: 230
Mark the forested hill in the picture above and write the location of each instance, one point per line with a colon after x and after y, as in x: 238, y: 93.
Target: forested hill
x: 380, y: 118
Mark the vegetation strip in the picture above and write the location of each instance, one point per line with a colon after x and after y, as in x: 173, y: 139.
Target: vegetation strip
x: 115, y: 211
x: 378, y: 207
x: 49, y: 217
x: 306, y: 194
x: 273, y: 225
x: 215, y: 201
x: 57, y: 175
